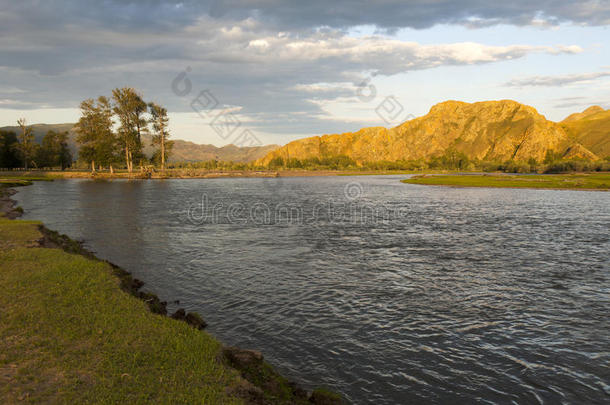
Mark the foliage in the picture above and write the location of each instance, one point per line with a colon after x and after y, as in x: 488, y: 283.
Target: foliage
x: 54, y: 151
x: 129, y: 108
x: 577, y: 165
x: 9, y: 157
x: 26, y: 145
x: 452, y: 159
x: 97, y: 141
x: 159, y: 122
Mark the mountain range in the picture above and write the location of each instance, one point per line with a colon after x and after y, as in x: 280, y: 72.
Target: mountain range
x: 488, y: 130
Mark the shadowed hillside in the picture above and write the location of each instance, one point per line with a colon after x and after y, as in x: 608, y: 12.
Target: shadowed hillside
x: 490, y: 130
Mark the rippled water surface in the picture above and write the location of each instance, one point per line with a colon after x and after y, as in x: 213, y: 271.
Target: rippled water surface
x: 386, y: 292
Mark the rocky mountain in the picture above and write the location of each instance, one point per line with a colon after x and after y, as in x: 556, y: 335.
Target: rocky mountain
x: 489, y: 130
x: 591, y: 129
x: 184, y: 151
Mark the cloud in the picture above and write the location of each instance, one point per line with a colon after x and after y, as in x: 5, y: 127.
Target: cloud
x: 272, y: 58
x: 579, y: 101
x: 163, y: 16
x: 560, y: 80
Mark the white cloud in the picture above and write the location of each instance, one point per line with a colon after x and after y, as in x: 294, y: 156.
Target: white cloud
x: 559, y: 80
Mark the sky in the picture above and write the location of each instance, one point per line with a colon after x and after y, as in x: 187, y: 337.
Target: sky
x: 253, y: 72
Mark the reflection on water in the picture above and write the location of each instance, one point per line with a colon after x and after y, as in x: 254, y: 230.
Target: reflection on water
x: 477, y: 295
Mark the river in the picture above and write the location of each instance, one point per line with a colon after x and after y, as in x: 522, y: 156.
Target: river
x: 386, y: 292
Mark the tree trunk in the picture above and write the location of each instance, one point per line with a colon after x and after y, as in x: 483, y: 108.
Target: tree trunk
x: 163, y: 154
x: 111, y: 170
x: 127, y: 163
x: 93, y: 166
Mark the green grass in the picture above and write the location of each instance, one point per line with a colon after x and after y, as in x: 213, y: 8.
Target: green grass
x: 73, y: 331
x: 11, y: 176
x: 14, y: 182
x: 14, y: 234
x: 69, y: 334
x: 593, y: 181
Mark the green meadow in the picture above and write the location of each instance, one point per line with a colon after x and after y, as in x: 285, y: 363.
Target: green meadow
x: 589, y: 181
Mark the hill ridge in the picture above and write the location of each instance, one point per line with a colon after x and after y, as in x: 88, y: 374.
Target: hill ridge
x: 496, y: 130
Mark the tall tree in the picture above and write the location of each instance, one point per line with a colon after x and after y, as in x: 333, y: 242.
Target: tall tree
x: 95, y: 136
x: 65, y: 155
x: 26, y: 144
x: 160, y: 121
x: 54, y: 150
x: 130, y: 108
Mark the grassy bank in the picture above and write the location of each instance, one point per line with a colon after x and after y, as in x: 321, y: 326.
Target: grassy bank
x: 69, y: 334
x: 592, y: 181
x: 73, y: 330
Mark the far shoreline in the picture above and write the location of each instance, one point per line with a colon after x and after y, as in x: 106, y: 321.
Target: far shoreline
x: 197, y: 174
x: 597, y: 181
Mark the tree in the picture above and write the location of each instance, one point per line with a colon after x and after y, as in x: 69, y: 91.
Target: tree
x: 54, y: 150
x: 159, y: 121
x: 94, y: 129
x: 26, y: 146
x: 65, y: 156
x: 130, y: 108
x: 9, y: 156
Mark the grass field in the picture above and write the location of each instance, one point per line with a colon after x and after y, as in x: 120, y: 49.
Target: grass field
x: 69, y: 334
x: 589, y: 181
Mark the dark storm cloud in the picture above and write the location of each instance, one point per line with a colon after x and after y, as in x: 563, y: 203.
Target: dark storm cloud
x: 282, y: 14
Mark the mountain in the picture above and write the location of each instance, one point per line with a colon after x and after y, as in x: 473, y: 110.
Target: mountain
x: 591, y: 129
x: 183, y: 151
x: 578, y: 116
x: 40, y: 130
x: 488, y: 130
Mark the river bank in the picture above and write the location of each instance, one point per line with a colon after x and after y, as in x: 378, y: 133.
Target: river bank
x: 79, y: 329
x: 578, y: 181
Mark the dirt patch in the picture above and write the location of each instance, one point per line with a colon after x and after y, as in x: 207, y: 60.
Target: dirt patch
x: 7, y: 205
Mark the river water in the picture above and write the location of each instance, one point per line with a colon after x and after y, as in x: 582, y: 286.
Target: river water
x: 386, y: 292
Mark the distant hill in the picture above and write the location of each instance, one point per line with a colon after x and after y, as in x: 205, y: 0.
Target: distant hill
x: 183, y: 151
x: 489, y: 130
x: 578, y: 116
x: 591, y: 129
